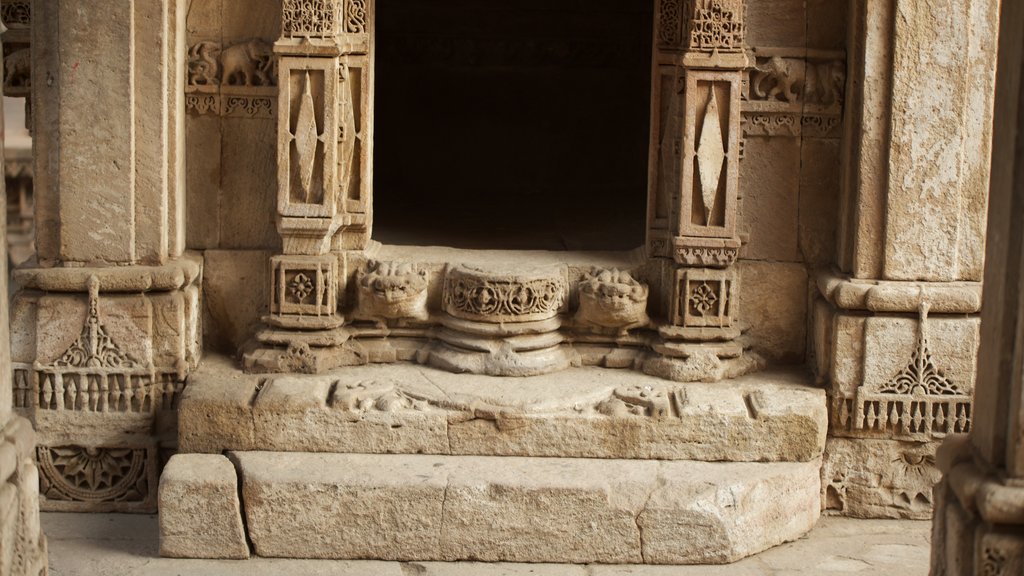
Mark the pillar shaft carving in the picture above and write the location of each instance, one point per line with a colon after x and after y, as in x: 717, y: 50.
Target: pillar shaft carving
x: 978, y: 526
x: 699, y: 73
x: 107, y: 323
x: 896, y: 328
x: 324, y: 115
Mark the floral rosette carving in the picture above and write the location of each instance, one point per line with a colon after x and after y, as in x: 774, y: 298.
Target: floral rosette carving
x: 612, y: 299
x: 391, y: 291
x: 475, y: 295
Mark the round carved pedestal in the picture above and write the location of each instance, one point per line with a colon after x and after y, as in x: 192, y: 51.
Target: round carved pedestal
x: 502, y: 323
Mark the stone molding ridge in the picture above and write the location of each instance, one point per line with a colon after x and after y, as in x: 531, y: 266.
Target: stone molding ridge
x: 899, y: 296
x: 978, y: 488
x: 169, y: 277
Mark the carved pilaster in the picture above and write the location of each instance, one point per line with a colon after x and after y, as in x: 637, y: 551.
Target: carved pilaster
x: 324, y: 116
x: 697, y: 128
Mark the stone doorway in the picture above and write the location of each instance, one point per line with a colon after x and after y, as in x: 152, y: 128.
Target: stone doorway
x: 543, y: 111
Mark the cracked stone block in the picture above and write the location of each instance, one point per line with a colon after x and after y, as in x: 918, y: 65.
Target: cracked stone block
x: 447, y: 508
x: 200, y: 514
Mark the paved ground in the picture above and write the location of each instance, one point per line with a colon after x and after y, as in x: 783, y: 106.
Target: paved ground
x: 122, y: 545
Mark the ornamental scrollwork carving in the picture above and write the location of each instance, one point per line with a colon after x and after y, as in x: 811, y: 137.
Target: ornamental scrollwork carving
x: 476, y: 295
x: 93, y: 475
x: 94, y: 348
x: 921, y: 377
x: 355, y: 16
x: 670, y: 23
x: 237, y: 80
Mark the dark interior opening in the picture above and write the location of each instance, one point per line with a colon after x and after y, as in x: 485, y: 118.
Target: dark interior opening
x: 512, y: 124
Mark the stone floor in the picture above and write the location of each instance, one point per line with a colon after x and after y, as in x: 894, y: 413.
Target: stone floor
x: 115, y: 545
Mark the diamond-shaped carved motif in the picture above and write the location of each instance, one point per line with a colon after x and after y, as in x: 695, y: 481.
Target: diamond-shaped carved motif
x: 710, y: 155
x: 306, y: 138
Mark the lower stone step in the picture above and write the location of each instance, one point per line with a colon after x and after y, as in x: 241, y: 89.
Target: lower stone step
x: 497, y: 509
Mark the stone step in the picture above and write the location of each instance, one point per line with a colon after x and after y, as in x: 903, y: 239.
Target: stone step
x: 577, y: 413
x: 492, y: 509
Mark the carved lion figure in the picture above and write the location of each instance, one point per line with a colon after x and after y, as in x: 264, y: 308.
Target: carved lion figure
x: 249, y: 63
x: 391, y: 291
x: 203, y: 64
x: 612, y: 299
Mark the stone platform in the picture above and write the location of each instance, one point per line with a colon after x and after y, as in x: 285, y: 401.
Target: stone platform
x: 577, y: 413
x: 493, y: 509
x: 408, y: 463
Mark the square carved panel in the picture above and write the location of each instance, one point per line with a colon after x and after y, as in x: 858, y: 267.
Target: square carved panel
x: 704, y: 298
x: 304, y: 285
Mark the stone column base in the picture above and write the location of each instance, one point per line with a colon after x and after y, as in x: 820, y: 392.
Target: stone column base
x: 100, y: 357
x: 979, y: 520
x: 22, y: 543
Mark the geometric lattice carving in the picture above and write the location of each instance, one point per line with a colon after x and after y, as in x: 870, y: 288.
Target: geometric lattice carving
x: 81, y: 474
x: 310, y: 18
x: 16, y: 14
x: 921, y: 376
x: 716, y: 25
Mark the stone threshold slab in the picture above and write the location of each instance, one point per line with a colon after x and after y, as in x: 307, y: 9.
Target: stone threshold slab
x: 506, y: 509
x: 578, y: 413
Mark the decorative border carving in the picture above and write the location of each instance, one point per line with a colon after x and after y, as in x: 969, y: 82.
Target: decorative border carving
x: 87, y: 391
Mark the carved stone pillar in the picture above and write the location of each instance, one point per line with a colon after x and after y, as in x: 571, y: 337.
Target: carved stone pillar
x: 106, y: 321
x: 324, y: 62
x: 700, y: 62
x: 22, y: 543
x: 978, y: 526
x: 896, y: 326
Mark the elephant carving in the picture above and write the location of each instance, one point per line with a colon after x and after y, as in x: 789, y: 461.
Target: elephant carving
x: 18, y: 69
x: 249, y: 63
x: 793, y: 79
